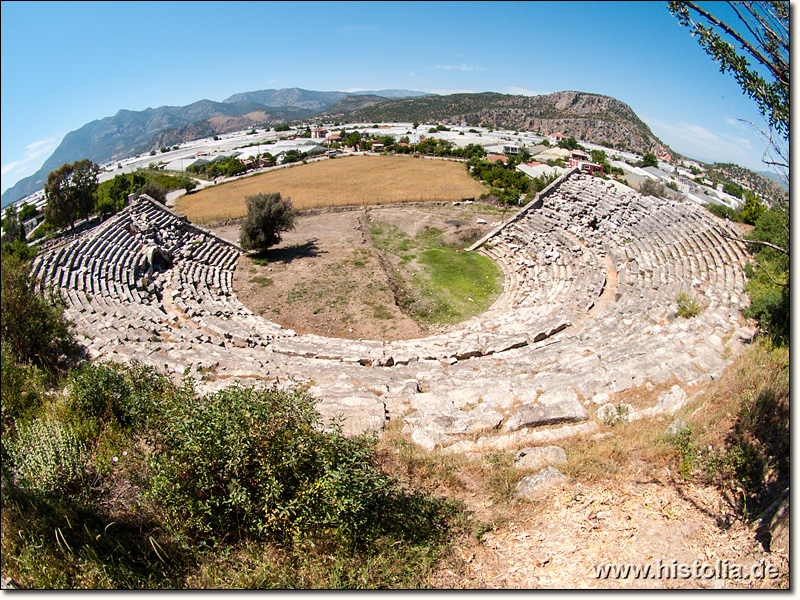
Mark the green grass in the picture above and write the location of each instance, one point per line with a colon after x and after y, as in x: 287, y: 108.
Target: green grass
x: 262, y: 281
x: 438, y: 284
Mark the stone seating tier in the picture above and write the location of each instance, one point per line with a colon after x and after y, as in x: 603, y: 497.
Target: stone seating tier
x: 148, y: 285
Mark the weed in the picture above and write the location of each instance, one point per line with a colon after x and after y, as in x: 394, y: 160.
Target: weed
x: 688, y: 307
x: 501, y: 476
x: 46, y: 456
x: 438, y: 284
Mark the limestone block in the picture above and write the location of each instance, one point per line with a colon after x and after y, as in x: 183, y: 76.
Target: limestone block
x: 449, y: 420
x: 672, y: 400
x: 779, y: 528
x: 535, y: 486
x: 357, y: 412
x: 405, y: 387
x: 551, y: 408
x: 676, y: 427
x: 536, y: 458
x: 607, y: 413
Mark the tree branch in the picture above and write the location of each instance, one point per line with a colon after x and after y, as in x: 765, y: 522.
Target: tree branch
x: 759, y: 242
x: 778, y: 73
x: 758, y: 264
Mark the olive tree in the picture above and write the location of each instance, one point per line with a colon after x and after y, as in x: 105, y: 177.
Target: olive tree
x: 268, y: 216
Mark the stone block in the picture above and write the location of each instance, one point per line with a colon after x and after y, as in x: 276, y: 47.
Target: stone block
x: 536, y: 458
x: 676, y: 427
x: 534, y: 486
x: 551, y: 408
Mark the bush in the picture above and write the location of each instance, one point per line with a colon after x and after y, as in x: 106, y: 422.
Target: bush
x: 46, y: 456
x: 153, y: 189
x: 255, y: 464
x: 108, y: 394
x: 99, y: 392
x: 722, y: 211
x: 751, y: 210
x: 20, y: 390
x: 769, y: 301
x: 268, y: 215
x: 650, y: 187
x: 38, y: 331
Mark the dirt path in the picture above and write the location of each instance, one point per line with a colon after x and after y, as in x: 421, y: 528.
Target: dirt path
x: 565, y: 539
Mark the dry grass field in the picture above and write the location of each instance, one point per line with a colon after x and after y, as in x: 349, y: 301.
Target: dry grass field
x: 355, y: 180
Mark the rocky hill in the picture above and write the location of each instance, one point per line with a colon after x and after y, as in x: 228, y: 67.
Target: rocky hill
x: 761, y: 183
x: 224, y: 124
x: 311, y: 100
x: 589, y: 117
x: 350, y: 104
x: 125, y: 134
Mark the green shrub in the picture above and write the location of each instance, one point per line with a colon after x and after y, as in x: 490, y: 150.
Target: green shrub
x: 650, y: 187
x: 255, y: 464
x: 153, y: 189
x: 112, y: 394
x: 101, y: 392
x: 722, y: 211
x: 38, y: 331
x: 21, y: 388
x: 46, y: 456
x: 768, y: 284
x: 268, y: 216
x: 686, y: 450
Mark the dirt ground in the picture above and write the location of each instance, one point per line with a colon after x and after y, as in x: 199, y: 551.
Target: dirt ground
x: 557, y: 542
x: 325, y: 277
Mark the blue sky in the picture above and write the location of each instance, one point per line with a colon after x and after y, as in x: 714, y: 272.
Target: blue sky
x: 65, y: 64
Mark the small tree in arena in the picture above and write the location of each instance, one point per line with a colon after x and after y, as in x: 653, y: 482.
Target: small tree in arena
x: 268, y: 215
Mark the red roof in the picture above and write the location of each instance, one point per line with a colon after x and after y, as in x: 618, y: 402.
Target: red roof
x: 496, y: 157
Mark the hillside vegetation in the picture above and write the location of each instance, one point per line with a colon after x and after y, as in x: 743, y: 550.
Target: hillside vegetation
x: 758, y: 183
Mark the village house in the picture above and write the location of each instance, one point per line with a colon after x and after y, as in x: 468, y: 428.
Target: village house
x: 582, y: 160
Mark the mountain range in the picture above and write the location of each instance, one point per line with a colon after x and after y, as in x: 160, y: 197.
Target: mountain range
x: 590, y: 117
